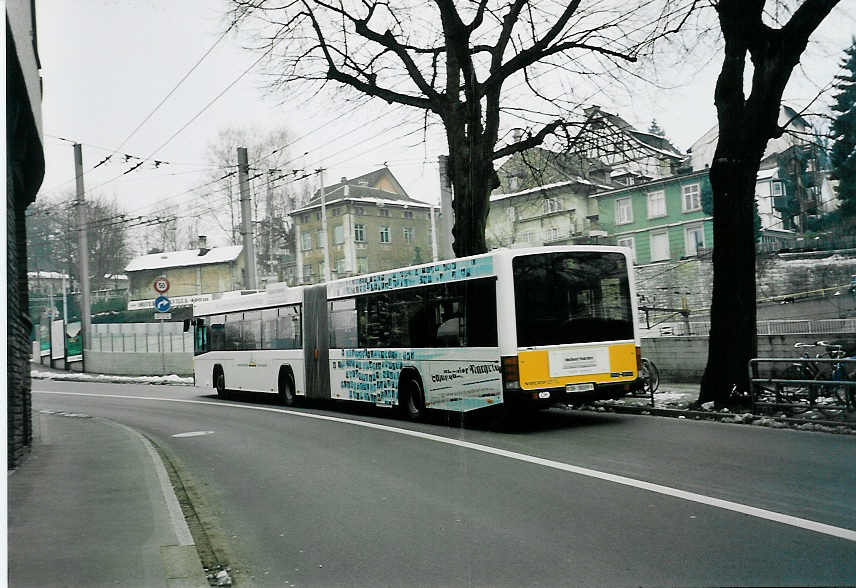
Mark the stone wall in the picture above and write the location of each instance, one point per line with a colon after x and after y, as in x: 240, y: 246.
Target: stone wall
x: 683, y: 359
x: 780, y: 274
x: 138, y: 364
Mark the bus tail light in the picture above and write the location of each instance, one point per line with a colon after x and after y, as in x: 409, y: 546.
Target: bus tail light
x: 638, y: 360
x: 510, y: 373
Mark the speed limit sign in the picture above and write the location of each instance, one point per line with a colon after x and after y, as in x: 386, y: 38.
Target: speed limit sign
x: 161, y: 285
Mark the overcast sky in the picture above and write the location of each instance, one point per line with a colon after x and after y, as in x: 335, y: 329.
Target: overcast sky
x: 107, y: 64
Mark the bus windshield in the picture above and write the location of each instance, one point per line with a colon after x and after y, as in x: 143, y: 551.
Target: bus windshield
x: 572, y: 297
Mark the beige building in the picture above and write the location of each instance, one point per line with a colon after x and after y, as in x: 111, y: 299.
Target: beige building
x: 372, y: 225
x: 194, y: 275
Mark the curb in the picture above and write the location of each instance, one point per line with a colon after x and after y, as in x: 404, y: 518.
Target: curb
x: 733, y: 418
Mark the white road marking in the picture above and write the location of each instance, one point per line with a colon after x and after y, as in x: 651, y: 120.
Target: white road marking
x: 193, y: 434
x: 809, y: 525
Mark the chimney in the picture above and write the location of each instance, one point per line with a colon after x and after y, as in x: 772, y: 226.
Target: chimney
x: 517, y: 134
x: 203, y: 245
x: 344, y: 180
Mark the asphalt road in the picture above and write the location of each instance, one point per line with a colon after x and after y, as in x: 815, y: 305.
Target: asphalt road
x: 313, y: 497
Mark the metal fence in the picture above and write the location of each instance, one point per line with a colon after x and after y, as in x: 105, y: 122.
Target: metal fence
x: 775, y: 327
x: 141, y: 338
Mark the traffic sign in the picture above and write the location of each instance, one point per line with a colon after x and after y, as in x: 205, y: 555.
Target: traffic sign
x: 162, y: 304
x: 161, y: 285
x: 163, y: 316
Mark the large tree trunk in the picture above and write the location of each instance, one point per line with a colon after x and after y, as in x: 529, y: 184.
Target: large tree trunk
x: 733, y: 340
x: 468, y: 168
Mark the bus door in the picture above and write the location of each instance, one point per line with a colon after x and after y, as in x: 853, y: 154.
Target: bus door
x: 315, y: 342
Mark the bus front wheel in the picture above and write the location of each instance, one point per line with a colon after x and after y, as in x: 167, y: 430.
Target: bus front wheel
x: 411, y: 398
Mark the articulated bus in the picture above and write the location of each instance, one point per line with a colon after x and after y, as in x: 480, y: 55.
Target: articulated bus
x: 519, y: 327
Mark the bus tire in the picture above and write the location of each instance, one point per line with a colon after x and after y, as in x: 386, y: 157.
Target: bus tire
x: 411, y: 397
x: 220, y: 383
x: 286, y: 387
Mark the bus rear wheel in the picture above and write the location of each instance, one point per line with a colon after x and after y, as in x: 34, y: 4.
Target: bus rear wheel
x: 220, y: 384
x: 411, y: 398
x: 286, y: 388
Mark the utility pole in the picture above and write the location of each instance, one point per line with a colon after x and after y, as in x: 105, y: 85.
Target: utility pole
x: 324, y: 228
x: 447, y: 211
x: 246, y: 220
x: 269, y: 212
x: 433, y: 236
x: 85, y: 315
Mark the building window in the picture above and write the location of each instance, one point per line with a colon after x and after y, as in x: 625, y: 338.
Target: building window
x: 629, y: 243
x: 340, y: 266
x: 514, y: 183
x: 338, y: 234
x: 360, y: 233
x: 659, y: 246
x: 551, y: 234
x: 656, y: 204
x: 304, y: 218
x: 623, y: 211
x: 359, y: 210
x: 408, y: 234
x: 694, y: 239
x: 511, y: 213
x: 778, y: 189
x: 408, y: 214
x: 337, y: 212
x: 384, y: 234
x: 552, y: 205
x: 527, y: 237
x: 306, y: 241
x: 363, y: 265
x: 307, y: 270
x: 691, y: 197
x: 318, y: 215
x: 384, y: 212
x: 321, y: 240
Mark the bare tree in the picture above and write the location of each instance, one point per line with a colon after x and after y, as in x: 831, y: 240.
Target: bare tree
x: 466, y: 64
x: 52, y: 235
x: 746, y: 124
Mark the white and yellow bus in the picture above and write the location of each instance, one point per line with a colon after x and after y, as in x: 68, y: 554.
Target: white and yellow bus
x: 520, y: 327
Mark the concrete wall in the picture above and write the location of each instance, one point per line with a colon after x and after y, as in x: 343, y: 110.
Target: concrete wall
x: 683, y: 359
x: 138, y: 364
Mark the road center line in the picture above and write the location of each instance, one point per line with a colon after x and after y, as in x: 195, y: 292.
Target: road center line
x: 842, y: 533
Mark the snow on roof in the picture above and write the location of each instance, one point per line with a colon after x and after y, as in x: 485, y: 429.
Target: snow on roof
x: 189, y: 257
x: 576, y: 180
x: 47, y: 275
x: 768, y: 174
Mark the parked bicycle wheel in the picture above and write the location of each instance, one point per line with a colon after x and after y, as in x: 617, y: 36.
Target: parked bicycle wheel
x: 830, y: 399
x: 650, y: 375
x: 795, y: 398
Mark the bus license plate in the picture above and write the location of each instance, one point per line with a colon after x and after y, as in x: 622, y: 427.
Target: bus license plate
x: 579, y: 388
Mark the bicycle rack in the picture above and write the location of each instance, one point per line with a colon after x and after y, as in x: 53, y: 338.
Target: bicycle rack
x: 755, y: 380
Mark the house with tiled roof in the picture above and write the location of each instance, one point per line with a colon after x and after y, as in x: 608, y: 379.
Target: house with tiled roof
x: 194, y: 275
x: 372, y: 225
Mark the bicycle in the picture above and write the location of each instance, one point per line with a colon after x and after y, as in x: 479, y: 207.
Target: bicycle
x: 801, y: 396
x: 833, y: 399
x: 650, y: 376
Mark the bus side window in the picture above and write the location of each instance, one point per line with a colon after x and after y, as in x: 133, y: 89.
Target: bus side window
x: 200, y: 339
x: 233, y: 331
x: 288, y: 328
x: 342, y: 324
x: 217, y: 333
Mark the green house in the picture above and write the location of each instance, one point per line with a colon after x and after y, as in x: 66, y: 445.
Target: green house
x: 660, y: 220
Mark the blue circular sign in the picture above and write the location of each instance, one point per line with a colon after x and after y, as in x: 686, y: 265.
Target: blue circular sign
x: 162, y: 304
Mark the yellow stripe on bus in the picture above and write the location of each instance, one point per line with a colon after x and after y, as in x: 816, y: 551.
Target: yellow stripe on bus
x: 535, y: 369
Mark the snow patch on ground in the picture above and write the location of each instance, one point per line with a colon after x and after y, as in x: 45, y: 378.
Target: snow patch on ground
x: 171, y: 379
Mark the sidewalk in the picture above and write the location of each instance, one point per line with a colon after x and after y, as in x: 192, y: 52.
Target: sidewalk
x: 92, y: 506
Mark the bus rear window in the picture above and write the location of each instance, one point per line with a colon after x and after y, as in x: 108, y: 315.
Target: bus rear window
x: 571, y: 297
